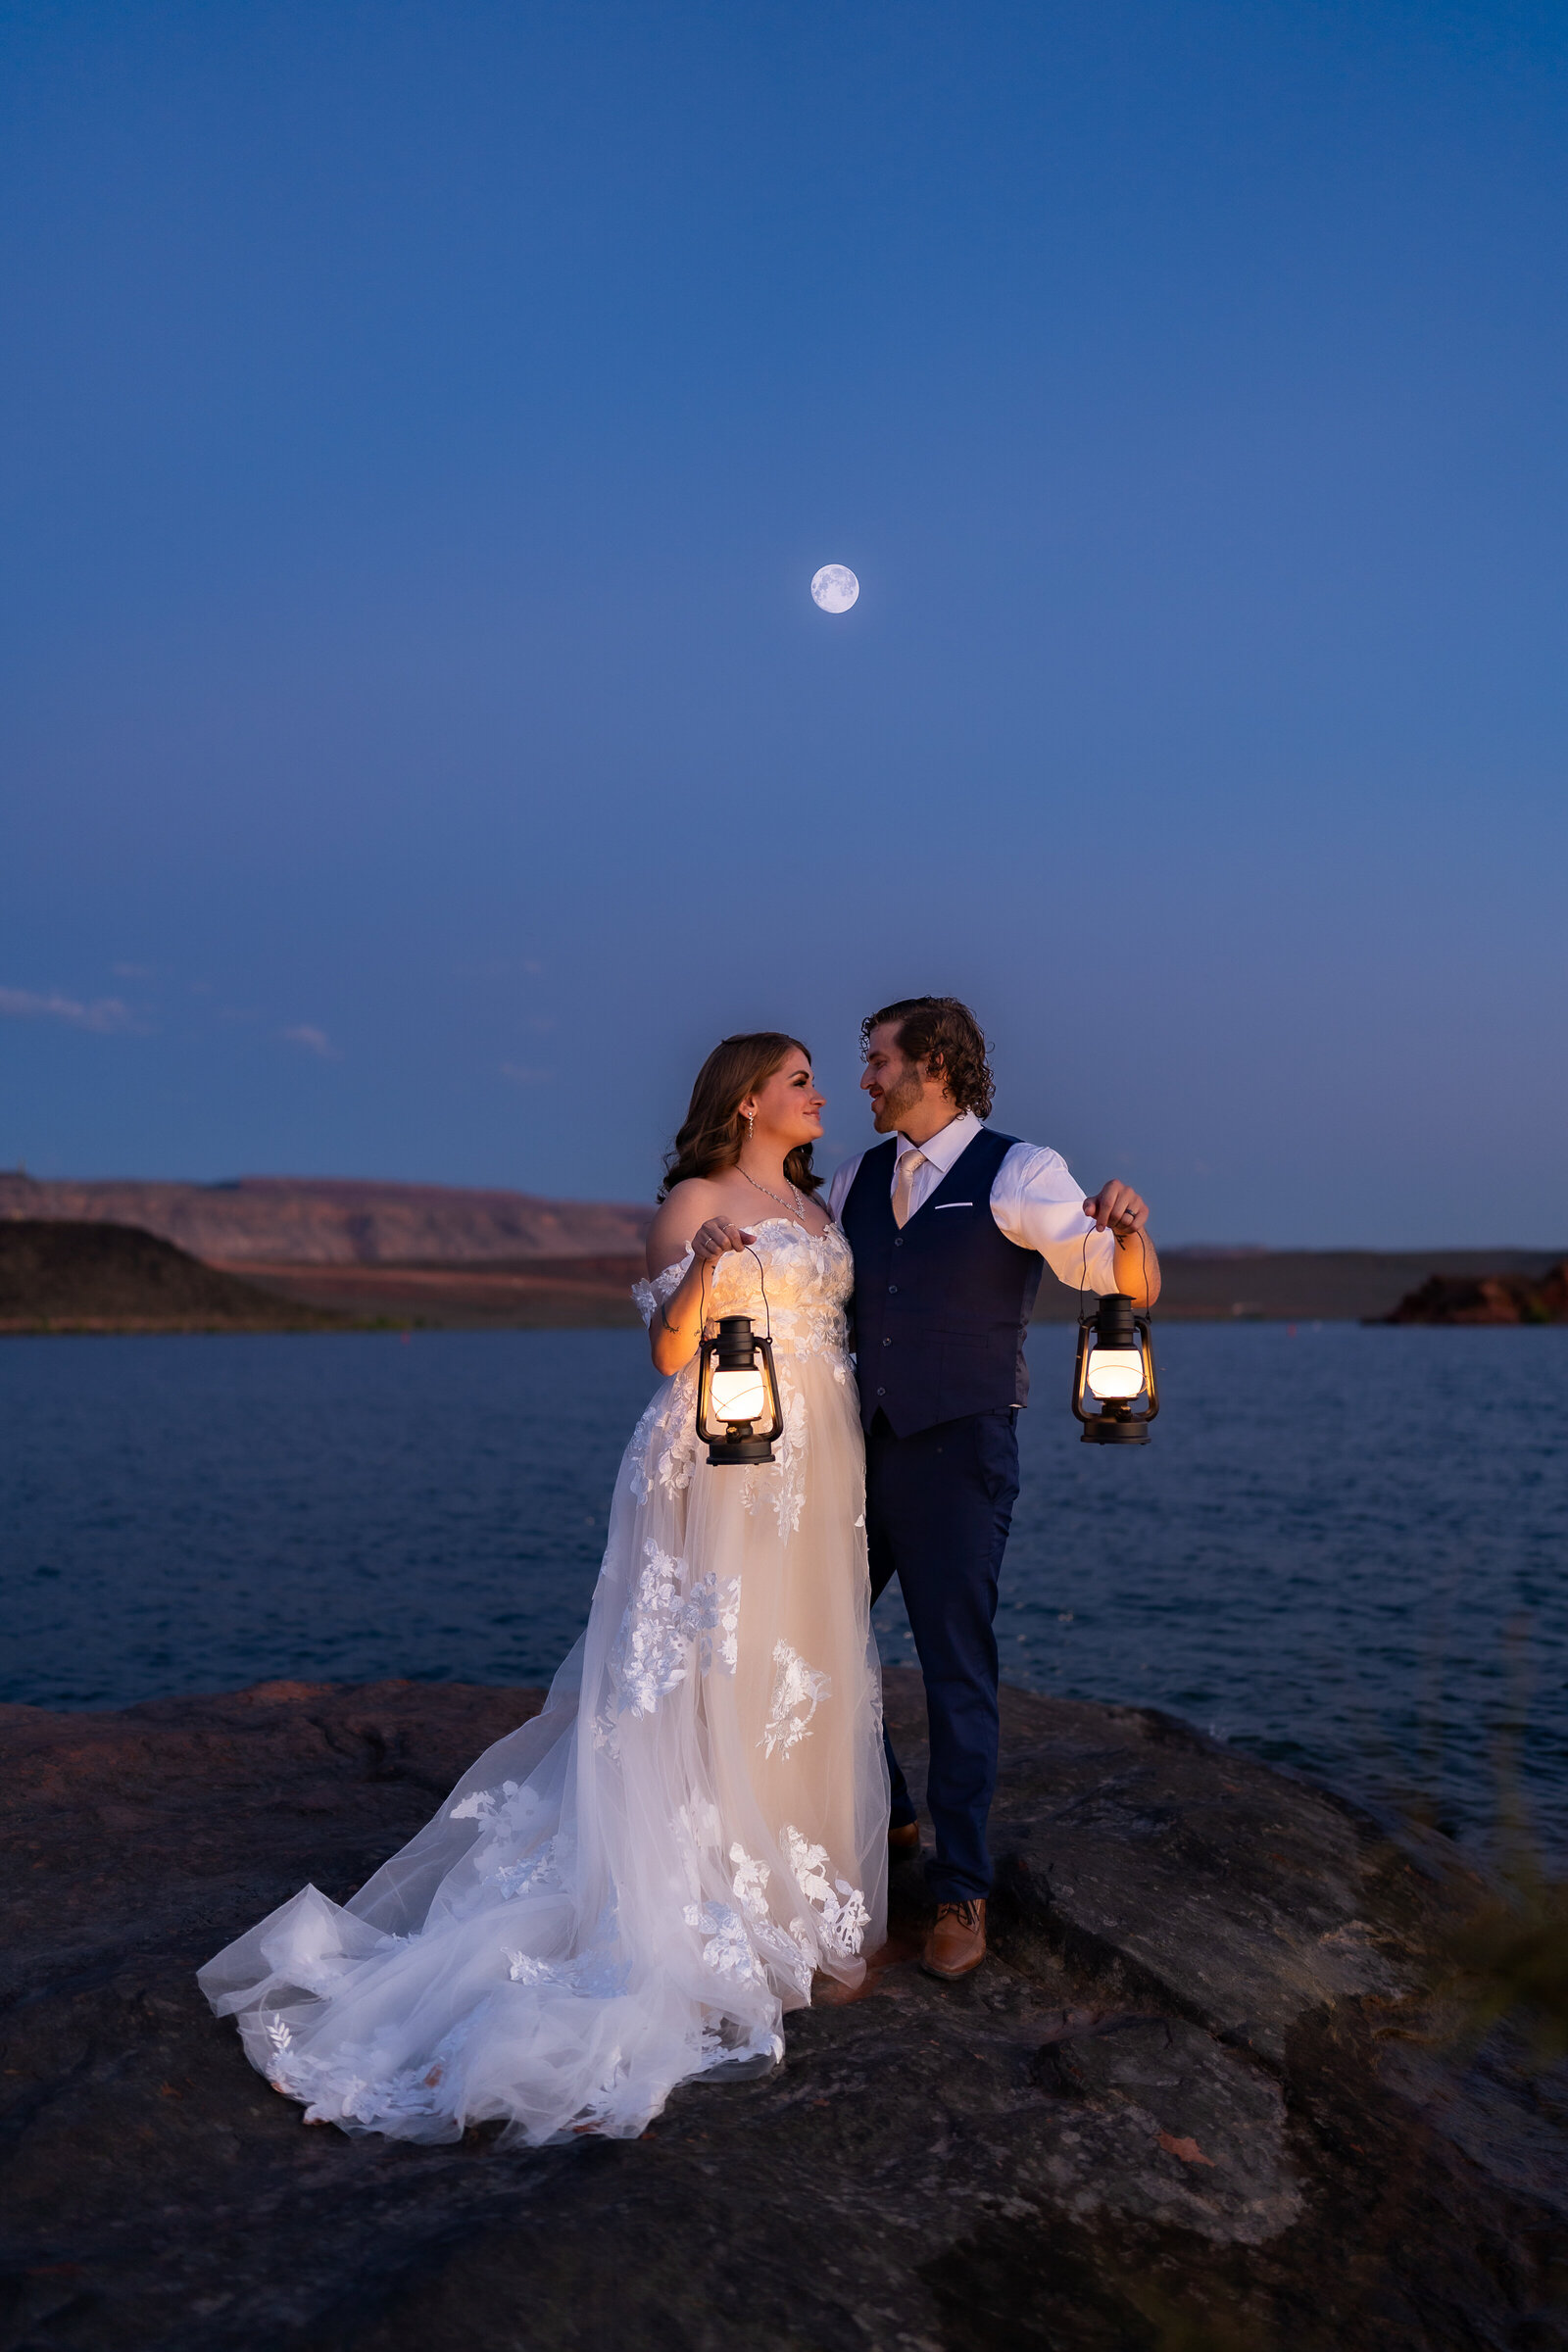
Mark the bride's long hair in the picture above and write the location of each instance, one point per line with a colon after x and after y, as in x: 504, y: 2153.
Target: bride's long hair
x: 709, y: 1139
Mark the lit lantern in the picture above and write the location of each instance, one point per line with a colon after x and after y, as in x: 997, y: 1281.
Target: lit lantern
x: 1116, y: 1366
x: 737, y: 1388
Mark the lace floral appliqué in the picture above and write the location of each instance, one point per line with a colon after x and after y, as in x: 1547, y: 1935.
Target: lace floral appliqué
x: 353, y: 2090
x: 664, y: 1447
x: 665, y: 1629
x: 791, y: 1954
x: 649, y: 1296
x: 595, y: 1973
x: 795, y: 1687
x: 538, y: 1870
x: 726, y: 1946
x: 750, y: 1881
x: 789, y: 1490
x: 840, y: 1910
x: 488, y: 1805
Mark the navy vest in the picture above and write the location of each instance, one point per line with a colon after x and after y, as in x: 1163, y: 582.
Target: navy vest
x: 941, y: 1307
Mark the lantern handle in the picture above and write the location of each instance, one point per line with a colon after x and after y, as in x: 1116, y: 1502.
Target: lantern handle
x: 761, y: 1284
x: 702, y: 1299
x: 1082, y: 1279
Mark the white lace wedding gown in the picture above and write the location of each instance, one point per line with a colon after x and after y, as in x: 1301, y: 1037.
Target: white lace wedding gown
x: 631, y: 1888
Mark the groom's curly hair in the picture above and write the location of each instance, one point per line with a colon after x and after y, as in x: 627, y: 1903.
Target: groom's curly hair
x: 945, y: 1035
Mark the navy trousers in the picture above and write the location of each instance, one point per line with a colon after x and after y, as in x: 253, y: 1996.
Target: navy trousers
x: 937, y: 1507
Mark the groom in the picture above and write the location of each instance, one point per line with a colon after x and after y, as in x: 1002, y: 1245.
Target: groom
x: 951, y: 1226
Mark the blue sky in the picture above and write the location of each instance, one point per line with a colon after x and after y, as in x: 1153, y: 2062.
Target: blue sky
x: 421, y: 425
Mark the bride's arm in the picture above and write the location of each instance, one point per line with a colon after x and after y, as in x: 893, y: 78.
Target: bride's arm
x: 676, y: 1330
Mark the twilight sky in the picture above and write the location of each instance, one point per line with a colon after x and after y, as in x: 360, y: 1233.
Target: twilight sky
x: 419, y: 426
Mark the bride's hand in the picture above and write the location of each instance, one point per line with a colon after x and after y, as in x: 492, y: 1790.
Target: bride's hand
x: 717, y: 1236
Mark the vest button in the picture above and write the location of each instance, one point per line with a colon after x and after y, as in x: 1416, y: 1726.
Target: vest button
x: 881, y: 1392
x: 893, y: 1290
x: 899, y: 1243
x: 887, y: 1343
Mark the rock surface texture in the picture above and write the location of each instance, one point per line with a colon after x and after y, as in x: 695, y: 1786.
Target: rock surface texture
x: 1202, y: 2095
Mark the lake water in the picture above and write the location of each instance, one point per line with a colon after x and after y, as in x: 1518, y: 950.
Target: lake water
x: 1343, y: 1549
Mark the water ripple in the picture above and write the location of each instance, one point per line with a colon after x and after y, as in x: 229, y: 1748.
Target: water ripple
x: 1343, y: 1549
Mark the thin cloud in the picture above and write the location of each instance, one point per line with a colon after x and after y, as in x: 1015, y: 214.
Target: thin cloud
x: 106, y: 1017
x: 522, y: 1075
x: 314, y: 1041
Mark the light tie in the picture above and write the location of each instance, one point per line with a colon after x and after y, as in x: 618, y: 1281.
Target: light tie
x: 903, y: 1189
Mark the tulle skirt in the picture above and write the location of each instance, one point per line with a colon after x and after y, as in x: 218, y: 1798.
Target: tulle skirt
x: 631, y: 1888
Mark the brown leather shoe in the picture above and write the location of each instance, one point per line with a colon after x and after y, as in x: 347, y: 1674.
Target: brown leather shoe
x: 957, y: 1943
x: 903, y: 1839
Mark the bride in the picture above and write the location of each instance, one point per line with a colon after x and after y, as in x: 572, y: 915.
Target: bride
x: 631, y: 1888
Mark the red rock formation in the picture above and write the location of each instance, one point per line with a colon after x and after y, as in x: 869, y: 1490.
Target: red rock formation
x: 307, y: 1220
x: 1486, y: 1299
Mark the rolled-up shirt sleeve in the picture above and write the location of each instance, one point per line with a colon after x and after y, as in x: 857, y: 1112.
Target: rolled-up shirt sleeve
x: 1037, y: 1203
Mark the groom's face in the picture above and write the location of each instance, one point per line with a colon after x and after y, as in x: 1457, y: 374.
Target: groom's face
x: 893, y: 1082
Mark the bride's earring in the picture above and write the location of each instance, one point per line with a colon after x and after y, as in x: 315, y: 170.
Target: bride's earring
x: 751, y: 1125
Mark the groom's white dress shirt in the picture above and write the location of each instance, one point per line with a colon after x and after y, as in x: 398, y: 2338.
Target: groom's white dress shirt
x: 1034, y: 1201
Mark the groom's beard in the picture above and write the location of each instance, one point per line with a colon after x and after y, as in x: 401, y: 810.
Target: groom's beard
x: 887, y: 1115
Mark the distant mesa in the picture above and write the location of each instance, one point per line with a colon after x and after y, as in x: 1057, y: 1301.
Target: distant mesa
x: 313, y: 1253
x: 60, y: 1275
x: 1486, y: 1299
x: 313, y: 1220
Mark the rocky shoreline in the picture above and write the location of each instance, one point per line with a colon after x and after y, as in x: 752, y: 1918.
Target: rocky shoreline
x: 1211, y: 2090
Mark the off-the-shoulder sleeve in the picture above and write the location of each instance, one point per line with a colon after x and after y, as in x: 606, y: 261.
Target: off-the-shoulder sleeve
x: 649, y: 1296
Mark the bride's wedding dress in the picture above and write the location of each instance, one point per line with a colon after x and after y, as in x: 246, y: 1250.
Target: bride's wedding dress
x: 631, y: 1888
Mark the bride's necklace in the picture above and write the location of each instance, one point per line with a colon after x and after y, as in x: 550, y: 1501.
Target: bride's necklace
x: 800, y: 1206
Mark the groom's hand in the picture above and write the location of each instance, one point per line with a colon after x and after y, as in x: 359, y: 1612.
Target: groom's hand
x: 1117, y: 1205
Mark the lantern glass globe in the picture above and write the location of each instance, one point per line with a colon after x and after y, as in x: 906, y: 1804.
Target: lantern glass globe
x: 739, y: 1395
x: 1115, y: 1374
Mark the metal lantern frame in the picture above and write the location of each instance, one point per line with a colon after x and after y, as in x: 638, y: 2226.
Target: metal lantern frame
x: 736, y: 1348
x: 1115, y: 1326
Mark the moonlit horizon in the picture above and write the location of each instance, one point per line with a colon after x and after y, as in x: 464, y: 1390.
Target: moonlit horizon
x: 835, y: 587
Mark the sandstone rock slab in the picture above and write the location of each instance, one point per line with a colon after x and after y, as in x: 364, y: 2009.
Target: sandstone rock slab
x: 1204, y: 2093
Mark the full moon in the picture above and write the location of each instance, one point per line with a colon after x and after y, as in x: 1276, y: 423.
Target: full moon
x: 835, y: 587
